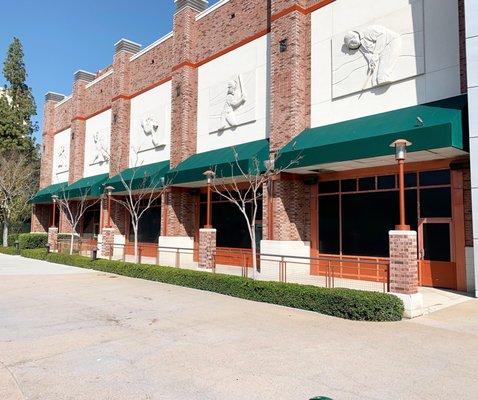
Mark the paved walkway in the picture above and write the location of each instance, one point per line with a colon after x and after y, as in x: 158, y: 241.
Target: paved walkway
x: 73, y: 334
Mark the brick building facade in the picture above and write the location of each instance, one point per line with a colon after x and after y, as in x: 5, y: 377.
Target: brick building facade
x: 288, y: 56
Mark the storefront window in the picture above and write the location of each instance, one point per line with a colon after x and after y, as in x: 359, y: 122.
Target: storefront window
x: 91, y: 223
x: 149, y: 226
x: 358, y: 223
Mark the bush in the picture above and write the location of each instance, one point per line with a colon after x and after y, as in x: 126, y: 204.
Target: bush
x: 12, y: 238
x: 7, y: 250
x: 32, y: 240
x: 343, y: 303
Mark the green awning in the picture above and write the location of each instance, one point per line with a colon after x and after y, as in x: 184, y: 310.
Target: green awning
x: 137, y: 178
x: 43, y: 196
x: 250, y: 157
x: 429, y: 126
x: 92, y: 186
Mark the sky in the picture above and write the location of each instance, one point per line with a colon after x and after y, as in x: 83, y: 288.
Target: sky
x: 60, y: 37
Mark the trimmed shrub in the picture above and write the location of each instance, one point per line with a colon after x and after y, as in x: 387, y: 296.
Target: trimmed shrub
x: 343, y: 303
x: 12, y: 238
x: 32, y: 240
x: 7, y: 250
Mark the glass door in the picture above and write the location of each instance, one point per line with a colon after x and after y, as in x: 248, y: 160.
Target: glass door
x: 436, y: 266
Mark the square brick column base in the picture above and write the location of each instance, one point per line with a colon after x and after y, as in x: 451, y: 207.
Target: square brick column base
x: 207, y: 248
x: 404, y: 271
x: 108, y: 237
x: 53, y: 238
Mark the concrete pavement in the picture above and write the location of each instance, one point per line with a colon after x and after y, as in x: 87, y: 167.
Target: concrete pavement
x: 67, y: 333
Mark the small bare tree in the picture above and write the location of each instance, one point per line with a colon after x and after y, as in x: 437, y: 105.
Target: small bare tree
x: 74, y: 209
x: 246, y: 189
x: 138, y: 193
x: 18, y: 178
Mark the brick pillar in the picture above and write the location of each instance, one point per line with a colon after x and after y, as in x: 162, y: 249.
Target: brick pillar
x: 53, y: 238
x: 121, y: 105
x: 48, y: 134
x: 207, y: 248
x: 41, y: 218
x: 78, y: 125
x: 289, y: 115
x: 403, y: 271
x: 108, y: 235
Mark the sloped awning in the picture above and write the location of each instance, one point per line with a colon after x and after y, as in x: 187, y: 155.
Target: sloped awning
x: 89, y: 187
x: 436, y: 130
x: 139, y: 178
x: 226, y: 162
x: 43, y: 196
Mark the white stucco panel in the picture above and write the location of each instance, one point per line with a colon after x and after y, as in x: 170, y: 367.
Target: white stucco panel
x: 150, y: 126
x: 406, y: 53
x: 97, y: 144
x: 61, y: 156
x: 232, y: 97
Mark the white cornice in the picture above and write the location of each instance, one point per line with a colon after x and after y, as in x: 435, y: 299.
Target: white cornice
x: 101, y: 77
x: 211, y: 9
x: 151, y: 46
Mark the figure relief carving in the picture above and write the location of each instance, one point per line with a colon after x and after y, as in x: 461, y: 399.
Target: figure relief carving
x: 101, y: 153
x: 380, y: 47
x: 235, y: 98
x: 150, y: 127
x: 62, y: 163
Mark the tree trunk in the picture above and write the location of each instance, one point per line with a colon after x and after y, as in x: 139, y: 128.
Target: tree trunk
x: 5, y: 233
x: 254, y: 251
x: 136, y: 253
x: 71, y: 244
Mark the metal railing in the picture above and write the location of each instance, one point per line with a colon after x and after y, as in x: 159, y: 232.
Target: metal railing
x: 323, y: 270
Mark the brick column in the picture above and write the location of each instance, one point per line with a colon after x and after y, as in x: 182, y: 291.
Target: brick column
x: 207, y: 248
x: 108, y: 236
x: 289, y: 115
x: 78, y: 125
x: 121, y: 105
x: 403, y: 271
x: 41, y: 218
x: 53, y: 238
x: 48, y: 135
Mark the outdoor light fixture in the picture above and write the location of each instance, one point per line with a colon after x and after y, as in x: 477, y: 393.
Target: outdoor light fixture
x: 109, y: 190
x: 400, y: 148
x: 162, y: 181
x: 283, y: 45
x: 209, y: 174
x: 178, y: 90
x: 400, y: 155
x: 54, y: 198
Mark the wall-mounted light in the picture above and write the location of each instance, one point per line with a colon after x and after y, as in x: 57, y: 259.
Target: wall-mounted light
x: 283, y: 45
x: 115, y: 118
x: 178, y: 90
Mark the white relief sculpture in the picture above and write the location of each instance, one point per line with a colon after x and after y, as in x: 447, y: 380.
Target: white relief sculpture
x: 62, y: 162
x: 150, y: 127
x: 236, y: 97
x: 380, y: 47
x: 101, y: 154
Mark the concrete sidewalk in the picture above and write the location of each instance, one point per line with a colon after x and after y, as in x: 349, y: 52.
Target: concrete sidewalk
x: 79, y: 334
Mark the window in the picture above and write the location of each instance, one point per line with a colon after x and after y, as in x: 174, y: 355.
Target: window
x: 329, y: 224
x: 435, y: 202
x: 149, y: 226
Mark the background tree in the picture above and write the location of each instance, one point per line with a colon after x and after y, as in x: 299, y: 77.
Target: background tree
x: 18, y: 177
x: 17, y: 105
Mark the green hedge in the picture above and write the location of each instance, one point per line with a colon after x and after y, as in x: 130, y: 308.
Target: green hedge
x: 32, y: 240
x: 344, y: 303
x: 12, y: 238
x: 7, y: 250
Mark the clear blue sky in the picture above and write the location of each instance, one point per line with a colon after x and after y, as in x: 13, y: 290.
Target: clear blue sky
x: 61, y: 36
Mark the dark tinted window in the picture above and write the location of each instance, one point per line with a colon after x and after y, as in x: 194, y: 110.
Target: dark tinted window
x: 349, y: 185
x: 329, y: 241
x: 432, y: 178
x: 436, y: 242
x: 435, y: 202
x: 329, y: 187
x: 367, y: 183
x: 386, y: 182
x: 149, y: 226
x: 411, y: 179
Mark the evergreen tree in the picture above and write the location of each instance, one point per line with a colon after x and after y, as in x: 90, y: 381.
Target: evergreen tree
x: 17, y: 105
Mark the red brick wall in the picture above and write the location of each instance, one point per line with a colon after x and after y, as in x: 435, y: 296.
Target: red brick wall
x: 462, y: 35
x: 41, y: 218
x: 47, y: 137
x: 181, y: 213
x: 467, y: 208
x: 78, y: 128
